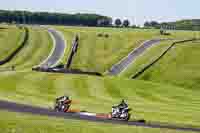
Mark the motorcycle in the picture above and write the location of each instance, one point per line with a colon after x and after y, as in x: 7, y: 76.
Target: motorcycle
x: 62, y: 104
x: 120, y: 113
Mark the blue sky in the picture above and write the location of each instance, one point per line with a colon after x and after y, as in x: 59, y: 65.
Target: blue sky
x: 137, y: 11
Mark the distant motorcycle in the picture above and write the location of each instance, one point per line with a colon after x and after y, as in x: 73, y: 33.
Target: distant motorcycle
x: 121, y: 112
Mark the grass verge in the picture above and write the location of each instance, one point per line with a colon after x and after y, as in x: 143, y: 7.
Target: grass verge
x: 11, y: 38
x: 37, y: 50
x: 180, y: 66
x: 23, y: 123
x: 151, y: 101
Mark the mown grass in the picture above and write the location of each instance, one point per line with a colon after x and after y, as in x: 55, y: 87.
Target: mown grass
x: 100, y: 53
x: 151, y: 101
x: 11, y: 38
x: 23, y: 123
x: 36, y: 50
x: 180, y: 66
x: 146, y: 58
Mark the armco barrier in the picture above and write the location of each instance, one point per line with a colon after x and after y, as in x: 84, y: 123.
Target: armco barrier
x: 66, y: 71
x: 156, y: 60
x: 73, y: 51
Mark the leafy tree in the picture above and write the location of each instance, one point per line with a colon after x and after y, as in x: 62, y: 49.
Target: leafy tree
x: 118, y: 22
x: 105, y: 22
x: 20, y: 17
x: 147, y: 24
x: 154, y: 23
x: 151, y: 24
x: 126, y: 23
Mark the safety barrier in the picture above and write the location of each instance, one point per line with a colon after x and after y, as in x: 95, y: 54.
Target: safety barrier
x: 162, y: 55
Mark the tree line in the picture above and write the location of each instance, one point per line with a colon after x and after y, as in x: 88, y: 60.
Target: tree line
x: 189, y: 24
x: 26, y: 17
x: 46, y: 18
x: 120, y: 23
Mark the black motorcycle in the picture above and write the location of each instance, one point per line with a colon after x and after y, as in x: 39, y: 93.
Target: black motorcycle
x: 62, y: 104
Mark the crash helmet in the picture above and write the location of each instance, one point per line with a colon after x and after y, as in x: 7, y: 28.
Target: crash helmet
x: 65, y: 98
x: 123, y: 101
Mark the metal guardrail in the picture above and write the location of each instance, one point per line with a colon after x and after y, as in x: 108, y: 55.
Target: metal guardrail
x: 74, y: 49
x: 162, y: 55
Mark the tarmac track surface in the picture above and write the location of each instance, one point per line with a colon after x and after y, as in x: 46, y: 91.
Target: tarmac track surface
x: 58, y: 51
x: 123, y: 64
x: 14, y: 107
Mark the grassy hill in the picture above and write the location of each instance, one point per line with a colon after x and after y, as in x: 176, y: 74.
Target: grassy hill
x: 152, y: 101
x: 35, y: 51
x: 11, y: 38
x: 165, y: 96
x: 100, y: 53
x: 180, y: 67
x: 146, y: 58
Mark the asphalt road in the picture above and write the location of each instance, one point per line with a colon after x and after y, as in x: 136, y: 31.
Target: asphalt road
x: 14, y: 107
x: 123, y: 64
x: 58, y: 51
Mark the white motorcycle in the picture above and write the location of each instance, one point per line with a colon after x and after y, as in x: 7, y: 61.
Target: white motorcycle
x: 120, y: 113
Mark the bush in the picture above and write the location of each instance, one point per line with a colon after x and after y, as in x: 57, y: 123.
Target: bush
x: 100, y: 35
x: 106, y: 35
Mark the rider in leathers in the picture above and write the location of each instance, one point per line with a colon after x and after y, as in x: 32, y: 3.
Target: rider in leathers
x: 122, y: 105
x: 64, y: 101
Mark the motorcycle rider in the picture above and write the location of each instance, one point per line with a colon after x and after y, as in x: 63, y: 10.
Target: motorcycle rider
x: 63, y: 103
x: 122, y: 105
x: 66, y: 100
x: 121, y: 110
